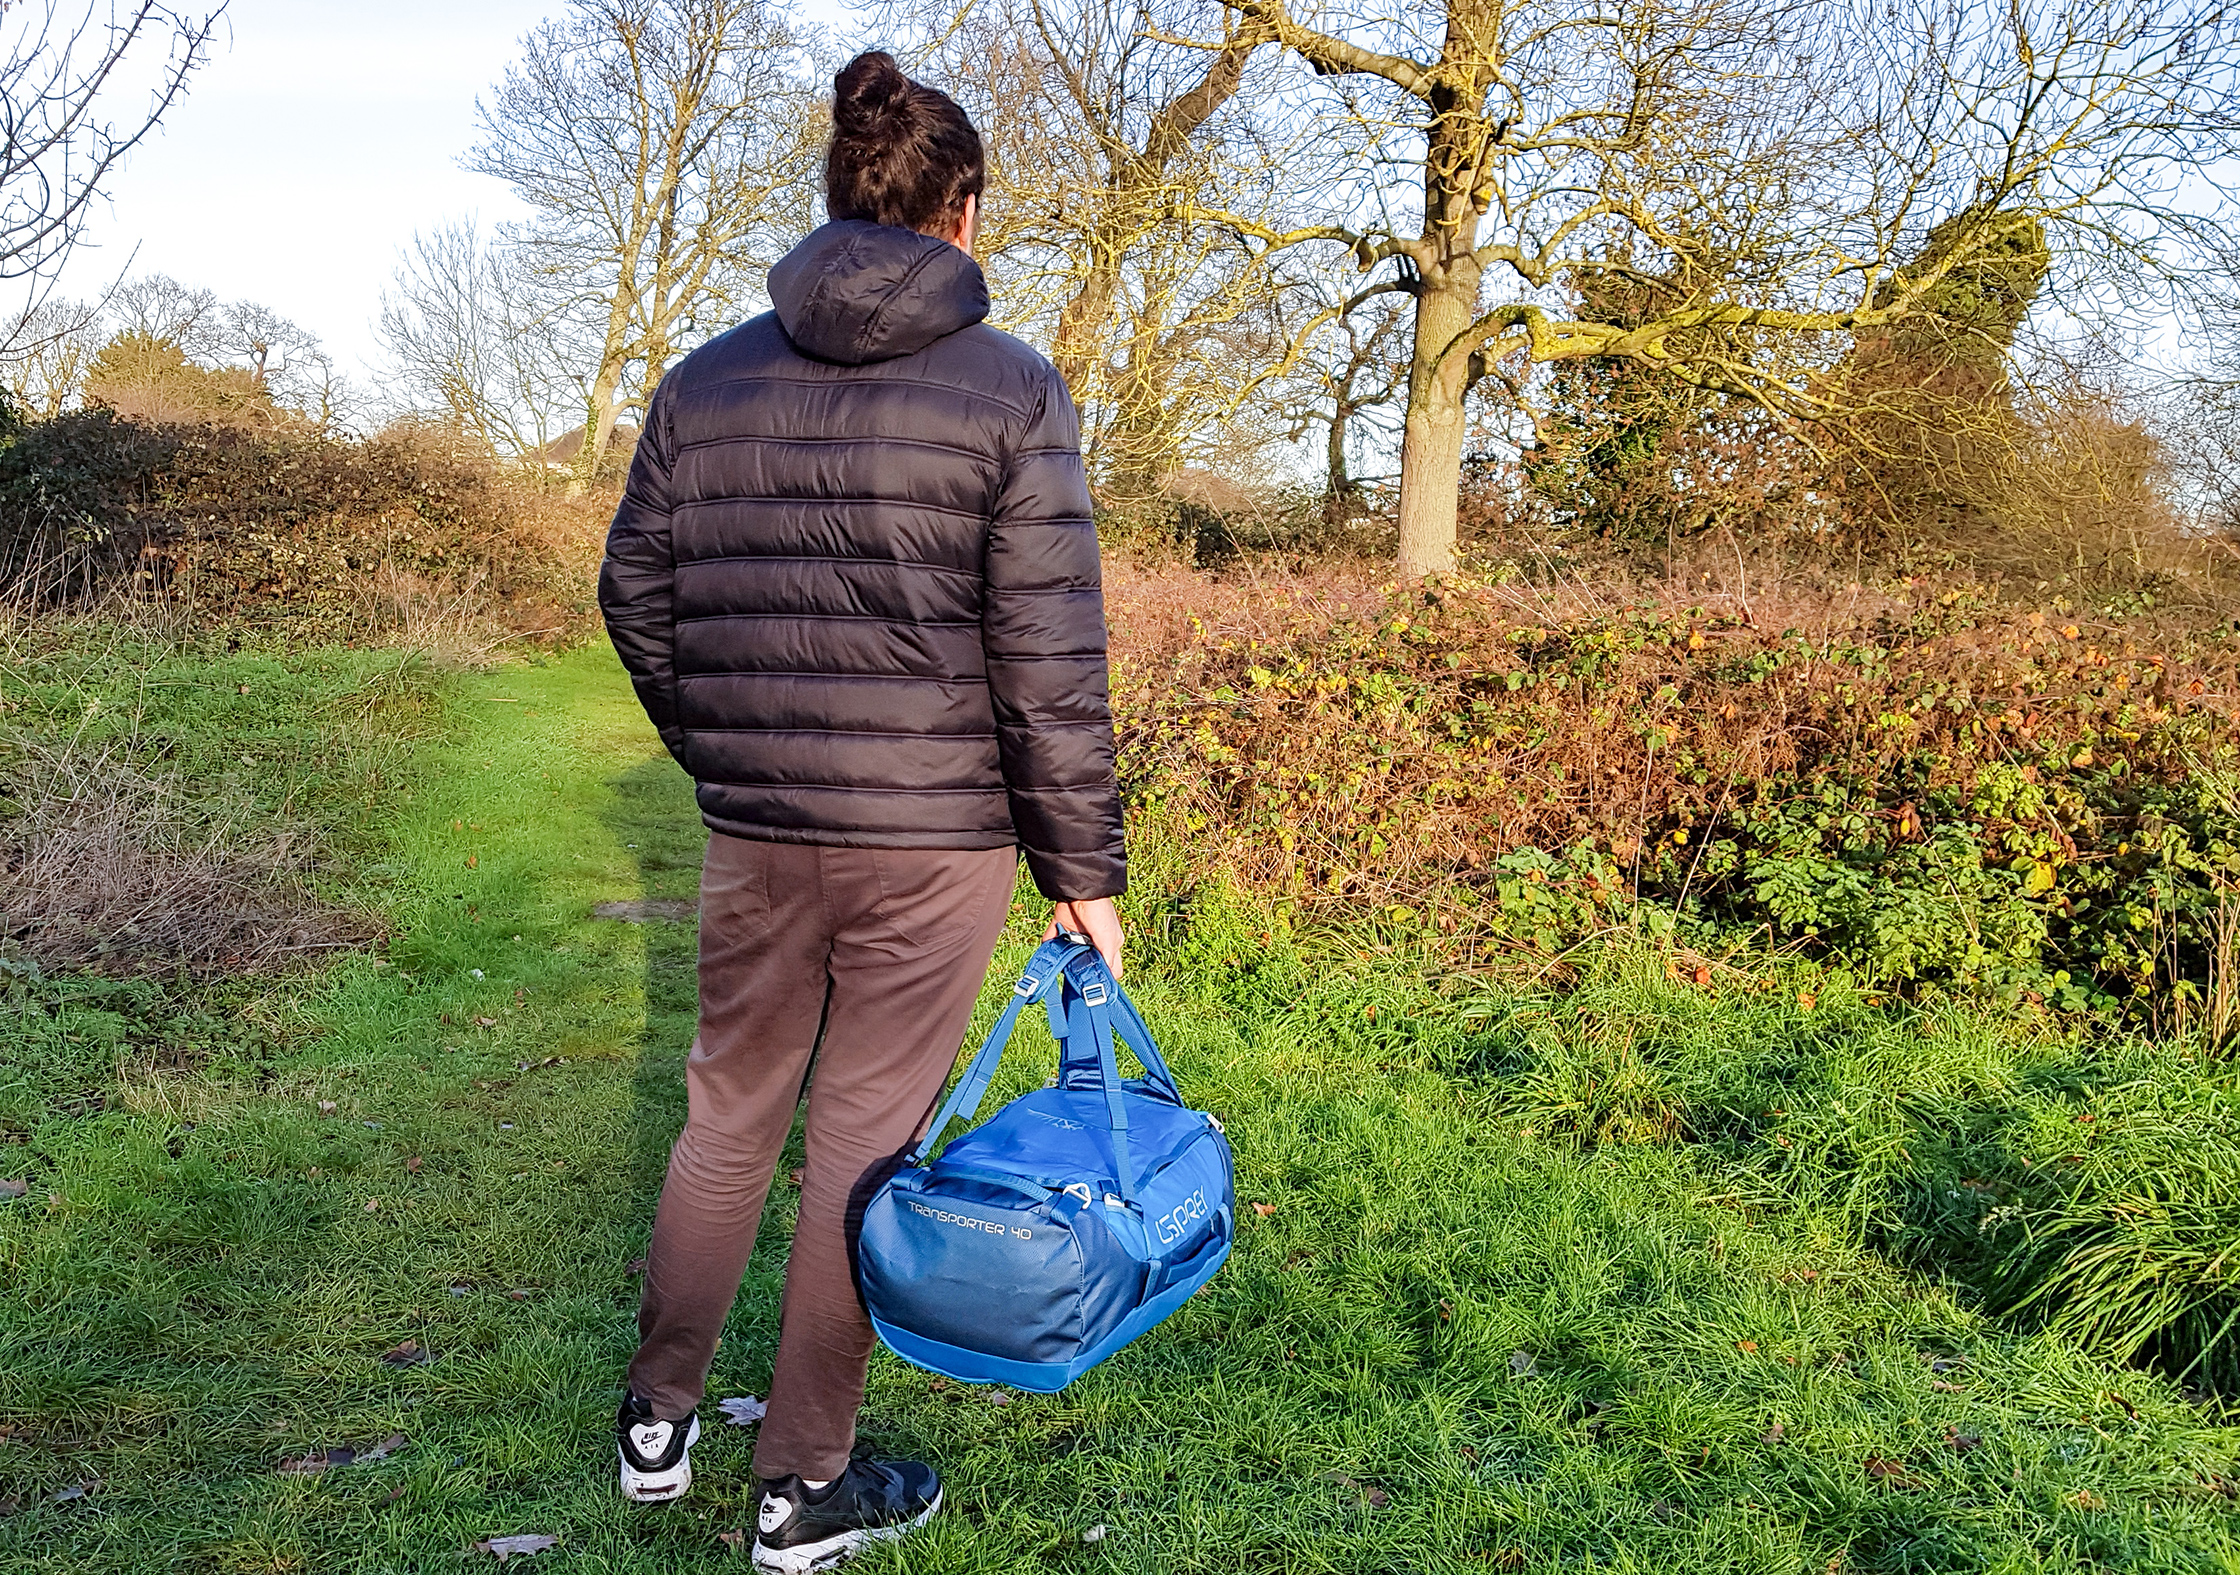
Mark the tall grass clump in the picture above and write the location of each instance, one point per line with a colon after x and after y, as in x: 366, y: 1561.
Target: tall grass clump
x: 168, y: 806
x: 2066, y: 1180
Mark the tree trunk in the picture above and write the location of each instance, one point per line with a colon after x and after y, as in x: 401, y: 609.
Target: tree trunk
x: 1431, y: 443
x: 614, y: 356
x: 1342, y: 493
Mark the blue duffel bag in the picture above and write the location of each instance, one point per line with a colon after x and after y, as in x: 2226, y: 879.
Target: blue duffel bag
x: 1075, y: 1219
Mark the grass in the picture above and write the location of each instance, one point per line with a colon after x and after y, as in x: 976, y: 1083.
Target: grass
x: 1532, y: 1290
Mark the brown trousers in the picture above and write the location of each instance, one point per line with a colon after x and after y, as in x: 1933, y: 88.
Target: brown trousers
x: 868, y: 960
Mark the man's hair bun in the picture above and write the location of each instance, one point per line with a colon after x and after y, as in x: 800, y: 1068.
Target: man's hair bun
x: 902, y: 153
x: 868, y: 94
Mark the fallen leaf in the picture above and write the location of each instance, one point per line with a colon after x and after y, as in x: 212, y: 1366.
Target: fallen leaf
x: 1372, y: 1495
x: 635, y: 1267
x: 521, y: 1294
x: 1960, y: 1442
x: 486, y: 1022
x: 1521, y: 1363
x: 411, y: 1353
x: 412, y: 1166
x: 1446, y: 1310
x: 1771, y: 1435
x: 1508, y: 1559
x: 1807, y: 1000
x: 1889, y: 1471
x: 9, y: 1505
x: 1263, y: 1209
x: 388, y: 1446
x: 732, y: 1539
x: 999, y: 1398
x: 76, y: 1490
x: 2085, y: 1498
x: 1747, y: 1347
x: 318, y: 1460
x: 471, y: 861
x: 1702, y: 975
x: 373, y: 1205
x: 744, y: 1411
x: 395, y: 1493
x: 793, y: 1178
x: 326, y: 1107
x: 2129, y: 1409
x: 1943, y: 1388
x: 14, y: 1189
x: 524, y: 1544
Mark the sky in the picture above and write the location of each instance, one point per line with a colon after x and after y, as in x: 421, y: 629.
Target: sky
x: 319, y: 137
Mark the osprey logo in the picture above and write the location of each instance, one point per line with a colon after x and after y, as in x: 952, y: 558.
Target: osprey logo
x: 1176, y: 1222
x: 774, y: 1513
x: 992, y: 1227
x: 1059, y: 1122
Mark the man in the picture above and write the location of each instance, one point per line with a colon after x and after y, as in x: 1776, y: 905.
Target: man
x: 856, y: 585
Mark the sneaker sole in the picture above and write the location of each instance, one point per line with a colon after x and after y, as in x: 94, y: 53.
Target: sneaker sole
x: 810, y: 1557
x: 659, y: 1487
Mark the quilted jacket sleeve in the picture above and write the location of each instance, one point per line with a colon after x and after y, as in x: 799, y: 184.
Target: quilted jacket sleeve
x: 637, y: 580
x: 1043, y: 627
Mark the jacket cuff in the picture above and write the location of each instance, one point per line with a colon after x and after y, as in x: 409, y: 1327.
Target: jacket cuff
x: 1077, y: 877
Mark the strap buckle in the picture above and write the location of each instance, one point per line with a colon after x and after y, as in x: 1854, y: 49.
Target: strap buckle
x: 1094, y: 994
x: 1028, y: 986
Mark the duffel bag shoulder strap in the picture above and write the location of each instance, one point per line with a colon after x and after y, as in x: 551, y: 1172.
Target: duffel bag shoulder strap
x: 1045, y: 969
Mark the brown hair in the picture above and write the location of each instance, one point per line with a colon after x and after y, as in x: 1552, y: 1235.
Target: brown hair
x: 902, y: 153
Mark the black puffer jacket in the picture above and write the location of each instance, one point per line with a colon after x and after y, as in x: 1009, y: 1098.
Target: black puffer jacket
x: 854, y: 576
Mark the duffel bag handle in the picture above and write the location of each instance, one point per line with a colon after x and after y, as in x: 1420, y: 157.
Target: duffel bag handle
x: 1085, y: 1003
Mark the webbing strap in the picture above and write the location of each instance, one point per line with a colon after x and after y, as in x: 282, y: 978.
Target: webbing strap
x: 1088, y: 1015
x: 964, y: 1099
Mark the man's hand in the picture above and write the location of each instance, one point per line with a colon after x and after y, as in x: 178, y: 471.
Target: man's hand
x: 1096, y: 918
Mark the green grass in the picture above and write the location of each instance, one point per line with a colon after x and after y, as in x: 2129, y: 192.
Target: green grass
x: 1539, y: 1288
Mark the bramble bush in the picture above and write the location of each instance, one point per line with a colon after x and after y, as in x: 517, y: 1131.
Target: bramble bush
x: 1922, y: 782
x: 330, y: 537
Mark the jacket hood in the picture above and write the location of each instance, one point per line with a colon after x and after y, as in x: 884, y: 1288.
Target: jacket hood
x: 854, y: 292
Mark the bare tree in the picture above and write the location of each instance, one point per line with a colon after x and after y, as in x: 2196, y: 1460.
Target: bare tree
x: 1103, y: 138
x: 162, y: 308
x: 1775, y: 167
x: 666, y: 147
x: 285, y: 361
x: 57, y: 143
x: 60, y: 142
x: 473, y: 342
x: 1346, y: 383
x: 54, y: 345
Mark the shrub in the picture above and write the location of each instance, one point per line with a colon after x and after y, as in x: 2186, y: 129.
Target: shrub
x: 1929, y: 785
x: 332, y: 537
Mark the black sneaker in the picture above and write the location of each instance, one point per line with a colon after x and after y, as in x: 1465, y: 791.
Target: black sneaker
x: 656, y: 1455
x: 799, y: 1531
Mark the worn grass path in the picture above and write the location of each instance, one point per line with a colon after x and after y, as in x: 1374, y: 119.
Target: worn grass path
x: 1449, y: 1345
